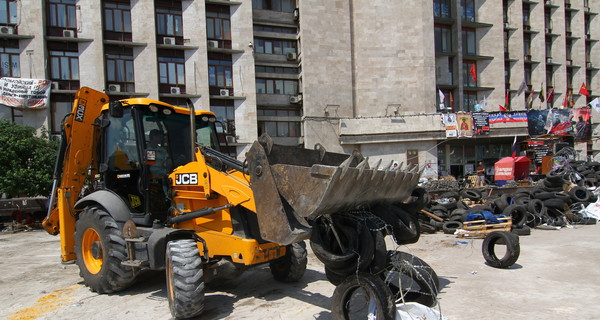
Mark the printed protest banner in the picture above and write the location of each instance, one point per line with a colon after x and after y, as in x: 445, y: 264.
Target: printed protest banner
x: 481, y: 123
x: 514, y: 116
x: 465, y: 124
x: 582, y: 123
x: 449, y: 120
x: 24, y: 93
x: 536, y: 122
x: 559, y: 122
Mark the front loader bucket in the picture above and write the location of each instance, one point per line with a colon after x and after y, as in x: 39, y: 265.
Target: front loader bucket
x: 293, y: 185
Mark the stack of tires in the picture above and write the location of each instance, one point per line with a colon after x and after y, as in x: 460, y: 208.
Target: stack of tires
x: 584, y: 174
x: 451, y: 209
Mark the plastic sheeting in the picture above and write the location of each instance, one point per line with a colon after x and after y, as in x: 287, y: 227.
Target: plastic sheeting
x: 413, y: 310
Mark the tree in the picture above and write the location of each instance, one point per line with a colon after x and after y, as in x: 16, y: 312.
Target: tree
x: 26, y: 161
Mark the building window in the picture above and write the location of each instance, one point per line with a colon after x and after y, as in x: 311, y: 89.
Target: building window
x: 443, y: 39
x: 468, y: 80
x: 220, y: 73
x: 171, y: 70
x: 117, y: 17
x: 281, y: 70
x: 279, y: 122
x: 274, y: 46
x: 468, y: 10
x: 218, y: 24
x: 119, y: 66
x: 441, y: 8
x: 8, y: 12
x: 274, y: 29
x: 62, y: 13
x: 64, y: 65
x: 469, y: 44
x: 469, y: 100
x: 528, y: 74
x: 276, y: 86
x: 169, y: 22
x: 225, y: 114
x: 61, y: 105
x: 275, y: 5
x: 10, y: 64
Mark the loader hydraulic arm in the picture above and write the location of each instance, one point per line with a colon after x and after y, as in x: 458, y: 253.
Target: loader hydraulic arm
x: 75, y: 157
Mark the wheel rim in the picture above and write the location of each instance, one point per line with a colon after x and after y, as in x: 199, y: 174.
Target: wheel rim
x: 170, y: 291
x: 91, y: 239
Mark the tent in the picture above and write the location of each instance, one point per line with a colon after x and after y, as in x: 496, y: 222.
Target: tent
x: 509, y: 168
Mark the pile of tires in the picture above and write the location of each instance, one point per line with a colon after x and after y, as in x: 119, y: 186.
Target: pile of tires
x: 450, y: 208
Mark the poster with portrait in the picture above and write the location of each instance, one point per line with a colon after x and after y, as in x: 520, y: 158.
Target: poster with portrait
x: 481, y: 123
x: 536, y: 122
x: 465, y: 124
x: 559, y: 122
x: 449, y: 120
x: 582, y: 123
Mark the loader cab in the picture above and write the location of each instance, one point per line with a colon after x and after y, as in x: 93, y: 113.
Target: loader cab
x: 142, y: 146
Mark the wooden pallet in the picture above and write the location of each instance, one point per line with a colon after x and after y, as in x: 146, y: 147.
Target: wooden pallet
x: 479, y: 228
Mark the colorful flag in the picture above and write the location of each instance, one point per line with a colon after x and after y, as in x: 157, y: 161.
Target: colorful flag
x: 584, y: 91
x: 530, y: 98
x: 473, y: 73
x: 484, y: 104
x: 595, y: 104
x: 442, y: 99
x: 570, y: 98
x: 550, y: 96
x: 514, y: 148
x: 522, y: 88
x: 566, y: 101
x: 541, y: 94
x: 501, y: 108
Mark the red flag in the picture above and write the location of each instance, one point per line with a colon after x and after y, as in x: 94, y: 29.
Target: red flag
x: 501, y: 108
x: 584, y: 91
x: 514, y: 148
x: 507, y: 98
x: 550, y: 96
x: 451, y: 101
x: 473, y: 72
x: 566, y: 101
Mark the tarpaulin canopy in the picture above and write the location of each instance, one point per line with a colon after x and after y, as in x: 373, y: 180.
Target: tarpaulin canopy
x: 509, y: 168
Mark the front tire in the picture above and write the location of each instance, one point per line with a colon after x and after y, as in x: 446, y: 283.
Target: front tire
x: 100, y: 249
x: 185, y: 279
x: 290, y: 267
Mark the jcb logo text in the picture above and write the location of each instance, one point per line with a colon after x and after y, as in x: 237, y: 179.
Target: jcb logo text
x: 186, y: 179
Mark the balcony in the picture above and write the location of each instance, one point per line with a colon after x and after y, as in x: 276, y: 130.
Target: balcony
x: 12, y: 32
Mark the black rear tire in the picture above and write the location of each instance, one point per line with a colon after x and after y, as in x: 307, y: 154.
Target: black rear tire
x: 185, y: 279
x: 513, y: 249
x: 100, y: 248
x: 290, y: 267
x: 351, y: 298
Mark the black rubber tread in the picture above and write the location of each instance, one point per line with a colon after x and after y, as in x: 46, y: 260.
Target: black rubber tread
x: 555, y: 203
x: 450, y: 205
x: 518, y: 214
x: 551, y: 184
x: 424, y: 283
x: 322, y: 249
x: 461, y: 205
x: 290, y: 267
x: 427, y: 228
x: 373, y: 287
x: 587, y: 221
x: 380, y: 255
x: 112, y: 276
x: 472, y: 194
x: 553, y: 212
x: 522, y: 201
x: 439, y: 208
x: 513, y: 249
x: 535, y: 206
x: 524, y: 191
x: 420, y: 199
x: 336, y: 278
x: 579, y: 194
x: 521, y: 231
x: 451, y: 226
x: 564, y: 197
x: 410, y: 228
x: 554, y: 189
x: 185, y: 276
x: 436, y: 224
x: 500, y: 204
x: 544, y: 195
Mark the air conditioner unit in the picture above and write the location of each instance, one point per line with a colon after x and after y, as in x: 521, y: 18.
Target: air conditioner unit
x: 292, y: 56
x: 68, y: 33
x: 55, y: 86
x: 7, y: 30
x: 224, y: 92
x: 114, y: 88
x: 471, y: 19
x: 213, y: 43
x: 548, y: 60
x: 570, y: 62
x: 506, y: 25
x: 548, y: 30
x: 169, y: 40
x: 175, y: 90
x: 296, y: 99
x: 589, y: 65
x: 296, y: 14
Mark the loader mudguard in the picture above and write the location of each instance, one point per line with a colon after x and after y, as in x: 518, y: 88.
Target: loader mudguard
x: 157, y: 244
x: 114, y: 205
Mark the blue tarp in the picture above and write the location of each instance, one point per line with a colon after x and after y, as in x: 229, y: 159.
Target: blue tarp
x: 486, y: 215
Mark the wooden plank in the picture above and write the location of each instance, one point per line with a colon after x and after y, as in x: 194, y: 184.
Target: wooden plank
x: 431, y: 215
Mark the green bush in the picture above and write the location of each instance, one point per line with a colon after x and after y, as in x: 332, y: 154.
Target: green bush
x: 26, y: 161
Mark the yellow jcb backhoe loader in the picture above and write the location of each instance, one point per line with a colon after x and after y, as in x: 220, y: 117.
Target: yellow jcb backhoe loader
x: 141, y: 184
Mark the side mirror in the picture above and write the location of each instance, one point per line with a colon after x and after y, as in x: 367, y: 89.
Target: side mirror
x: 115, y: 109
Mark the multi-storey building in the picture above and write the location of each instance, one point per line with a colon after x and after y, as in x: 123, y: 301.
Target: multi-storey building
x: 348, y: 74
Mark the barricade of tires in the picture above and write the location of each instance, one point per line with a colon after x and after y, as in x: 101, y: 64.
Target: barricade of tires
x: 555, y: 201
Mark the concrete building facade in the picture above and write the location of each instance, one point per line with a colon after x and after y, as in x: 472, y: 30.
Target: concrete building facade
x: 347, y: 74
